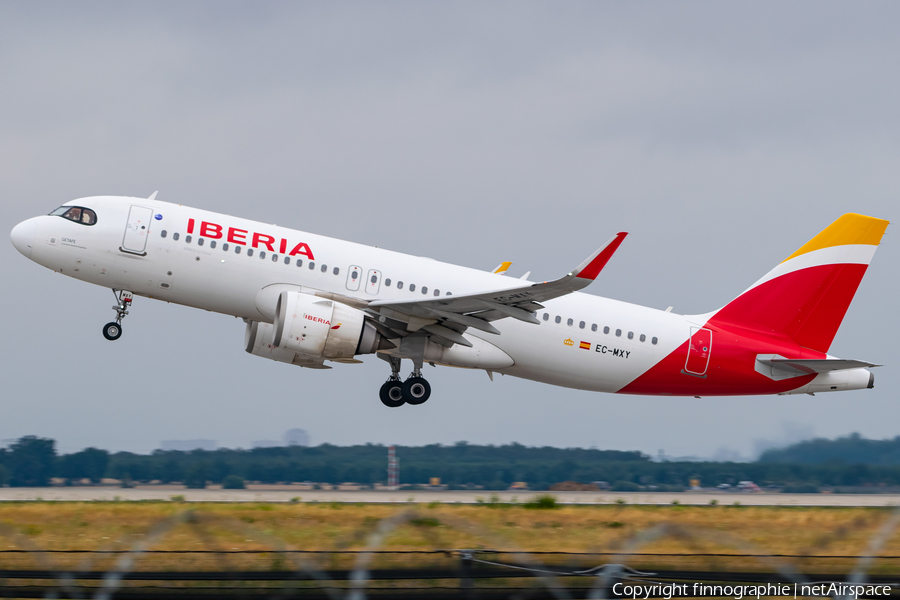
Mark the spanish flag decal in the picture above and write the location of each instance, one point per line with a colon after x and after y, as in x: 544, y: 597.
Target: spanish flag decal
x: 585, y: 345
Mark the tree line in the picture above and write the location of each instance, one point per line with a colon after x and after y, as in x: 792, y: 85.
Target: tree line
x: 33, y: 461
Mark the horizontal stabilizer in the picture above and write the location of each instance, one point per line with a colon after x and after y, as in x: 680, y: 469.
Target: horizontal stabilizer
x: 813, y: 365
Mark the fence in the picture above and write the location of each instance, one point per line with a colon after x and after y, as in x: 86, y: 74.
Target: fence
x: 143, y: 572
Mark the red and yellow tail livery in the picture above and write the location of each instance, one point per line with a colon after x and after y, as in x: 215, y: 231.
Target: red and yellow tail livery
x: 793, y: 312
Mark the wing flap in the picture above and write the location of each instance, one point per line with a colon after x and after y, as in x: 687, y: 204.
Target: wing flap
x: 476, y: 310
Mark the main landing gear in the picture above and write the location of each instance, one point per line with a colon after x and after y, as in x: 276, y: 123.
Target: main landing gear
x: 113, y: 331
x: 395, y: 393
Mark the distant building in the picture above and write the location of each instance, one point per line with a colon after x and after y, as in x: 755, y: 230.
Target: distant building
x: 296, y: 437
x: 188, y: 445
x: 266, y: 444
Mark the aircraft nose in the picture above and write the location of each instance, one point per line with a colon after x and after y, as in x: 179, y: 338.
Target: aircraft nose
x: 22, y: 236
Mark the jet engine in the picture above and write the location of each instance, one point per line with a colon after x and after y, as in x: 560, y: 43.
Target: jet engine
x: 308, y: 327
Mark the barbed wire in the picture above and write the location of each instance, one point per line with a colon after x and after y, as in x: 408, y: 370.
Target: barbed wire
x: 359, y: 580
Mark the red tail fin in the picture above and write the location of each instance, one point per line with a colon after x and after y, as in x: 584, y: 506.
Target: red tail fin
x: 806, y: 296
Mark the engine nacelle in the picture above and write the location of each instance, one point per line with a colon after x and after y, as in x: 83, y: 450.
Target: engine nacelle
x: 321, y: 328
x: 309, y: 329
x: 309, y: 325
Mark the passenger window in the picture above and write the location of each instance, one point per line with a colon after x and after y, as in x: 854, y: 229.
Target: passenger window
x: 546, y: 316
x: 569, y: 322
x: 606, y: 329
x: 643, y: 338
x: 175, y: 236
x: 412, y: 287
x: 249, y: 251
x: 581, y: 325
x: 424, y: 289
x: 274, y: 258
x: 162, y: 233
x: 212, y: 243
x: 354, y: 275
x: 374, y: 279
x: 558, y: 319
x: 187, y: 239
x: 387, y: 282
x: 225, y: 247
x: 324, y: 268
x: 437, y: 292
x: 237, y: 249
x: 449, y: 294
x: 312, y: 266
x: 287, y: 260
x: 653, y: 341
x: 299, y: 262
x: 337, y: 270
x: 630, y: 335
x: 262, y: 254
x: 618, y: 333
x: 399, y: 285
x: 594, y: 327
x: 199, y: 241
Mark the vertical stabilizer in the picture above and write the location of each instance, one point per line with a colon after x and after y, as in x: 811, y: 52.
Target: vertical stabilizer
x: 807, y: 295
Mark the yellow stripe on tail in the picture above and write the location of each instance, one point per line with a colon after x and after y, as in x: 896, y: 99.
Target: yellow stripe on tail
x: 846, y: 230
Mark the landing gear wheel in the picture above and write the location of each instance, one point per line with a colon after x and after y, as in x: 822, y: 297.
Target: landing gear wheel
x: 392, y: 394
x: 416, y: 390
x: 112, y: 331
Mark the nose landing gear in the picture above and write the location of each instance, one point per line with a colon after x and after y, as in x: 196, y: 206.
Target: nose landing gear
x: 113, y: 331
x: 395, y: 393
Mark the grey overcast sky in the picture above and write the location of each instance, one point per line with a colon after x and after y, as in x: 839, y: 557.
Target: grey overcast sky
x: 722, y: 135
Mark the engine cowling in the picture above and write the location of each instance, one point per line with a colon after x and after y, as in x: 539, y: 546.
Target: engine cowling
x: 321, y: 328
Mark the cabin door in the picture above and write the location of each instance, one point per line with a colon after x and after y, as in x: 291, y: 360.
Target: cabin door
x: 699, y: 350
x: 137, y: 230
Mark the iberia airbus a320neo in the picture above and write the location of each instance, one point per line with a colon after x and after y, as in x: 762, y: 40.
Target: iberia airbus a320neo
x: 309, y: 300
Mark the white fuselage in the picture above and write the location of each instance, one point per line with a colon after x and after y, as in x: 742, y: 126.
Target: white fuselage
x: 219, y: 280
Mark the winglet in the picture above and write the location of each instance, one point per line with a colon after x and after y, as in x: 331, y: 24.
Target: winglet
x: 502, y: 268
x: 591, y: 267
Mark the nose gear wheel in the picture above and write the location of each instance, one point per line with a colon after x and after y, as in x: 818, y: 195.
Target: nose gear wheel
x: 113, y: 330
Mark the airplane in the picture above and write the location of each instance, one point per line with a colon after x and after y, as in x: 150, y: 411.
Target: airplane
x: 307, y: 299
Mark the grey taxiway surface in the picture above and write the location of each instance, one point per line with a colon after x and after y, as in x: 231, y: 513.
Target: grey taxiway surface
x: 274, y: 494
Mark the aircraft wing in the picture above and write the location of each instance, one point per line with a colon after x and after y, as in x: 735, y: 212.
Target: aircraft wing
x: 448, y: 316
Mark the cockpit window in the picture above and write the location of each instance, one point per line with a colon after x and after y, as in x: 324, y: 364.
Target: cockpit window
x: 79, y: 214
